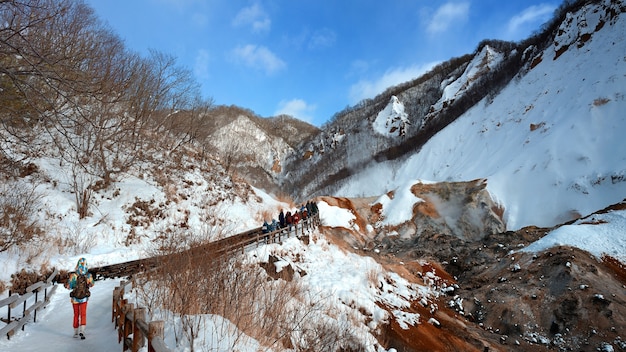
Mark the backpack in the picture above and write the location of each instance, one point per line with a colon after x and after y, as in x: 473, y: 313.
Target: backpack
x: 81, y: 290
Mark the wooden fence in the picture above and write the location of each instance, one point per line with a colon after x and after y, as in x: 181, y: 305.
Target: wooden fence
x: 216, y: 248
x: 131, y: 325
x: 13, y: 322
x: 132, y: 328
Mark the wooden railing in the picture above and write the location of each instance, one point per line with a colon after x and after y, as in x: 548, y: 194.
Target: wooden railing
x: 258, y: 237
x: 13, y: 323
x: 130, y: 322
x: 215, y: 248
x: 131, y: 325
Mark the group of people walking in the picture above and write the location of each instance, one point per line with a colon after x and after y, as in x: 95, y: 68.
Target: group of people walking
x: 290, y: 219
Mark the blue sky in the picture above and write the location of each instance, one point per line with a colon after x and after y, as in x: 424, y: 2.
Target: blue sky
x: 311, y: 59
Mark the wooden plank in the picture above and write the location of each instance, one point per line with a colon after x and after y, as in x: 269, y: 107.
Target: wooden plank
x: 14, y: 325
x: 52, y: 276
x: 128, y: 343
x: 34, y: 307
x: 143, y: 326
x: 50, y: 293
x: 159, y: 345
x: 52, y: 290
x: 35, y: 286
x: 22, y: 298
x: 9, y: 300
x: 9, y: 327
x: 44, y: 286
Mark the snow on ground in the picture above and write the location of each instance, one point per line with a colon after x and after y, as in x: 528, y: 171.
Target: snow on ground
x: 333, y: 216
x: 601, y: 234
x: 347, y: 282
x: 53, y: 330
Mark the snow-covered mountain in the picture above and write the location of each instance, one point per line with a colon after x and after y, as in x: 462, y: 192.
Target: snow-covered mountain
x: 254, y: 147
x: 549, y: 141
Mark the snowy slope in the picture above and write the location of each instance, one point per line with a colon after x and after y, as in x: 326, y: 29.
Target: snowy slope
x: 550, y: 144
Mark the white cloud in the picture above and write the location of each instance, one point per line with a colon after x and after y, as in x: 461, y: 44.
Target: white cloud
x: 365, y: 89
x: 255, y: 17
x: 322, y: 38
x: 259, y: 57
x: 446, y: 15
x: 297, y: 108
x: 201, y: 64
x: 530, y: 16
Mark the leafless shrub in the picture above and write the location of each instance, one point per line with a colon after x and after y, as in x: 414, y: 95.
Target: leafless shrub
x: 536, y: 126
x: 142, y: 213
x: 75, y: 240
x: 600, y: 101
x: 21, y: 280
x: 329, y: 336
x: 285, y: 198
x: 373, y: 277
x: 18, y: 224
x: 190, y: 285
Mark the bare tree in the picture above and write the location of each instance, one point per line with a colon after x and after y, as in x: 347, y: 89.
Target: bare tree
x: 63, y: 72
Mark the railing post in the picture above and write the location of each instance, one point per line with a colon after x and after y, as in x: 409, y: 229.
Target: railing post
x: 138, y: 338
x: 24, y: 313
x: 155, y: 328
x: 36, y: 300
x: 116, y: 293
x: 121, y: 321
x: 128, y: 324
x: 9, y: 315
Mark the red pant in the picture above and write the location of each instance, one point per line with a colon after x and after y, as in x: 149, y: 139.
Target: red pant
x: 80, y: 314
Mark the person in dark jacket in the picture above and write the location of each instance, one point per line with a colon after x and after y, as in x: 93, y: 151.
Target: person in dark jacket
x: 265, y: 228
x: 303, y: 212
x: 281, y: 219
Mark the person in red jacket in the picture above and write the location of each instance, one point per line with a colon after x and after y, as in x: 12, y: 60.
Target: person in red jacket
x: 289, y: 220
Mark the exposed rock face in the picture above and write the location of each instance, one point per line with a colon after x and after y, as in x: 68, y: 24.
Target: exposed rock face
x: 461, y: 209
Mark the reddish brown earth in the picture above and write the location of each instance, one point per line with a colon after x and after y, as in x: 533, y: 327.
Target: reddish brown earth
x: 562, y: 299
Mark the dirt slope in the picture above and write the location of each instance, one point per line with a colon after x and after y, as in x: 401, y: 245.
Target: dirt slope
x: 562, y: 299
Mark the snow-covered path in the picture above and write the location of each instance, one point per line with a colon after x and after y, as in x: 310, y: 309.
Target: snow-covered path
x: 53, y: 330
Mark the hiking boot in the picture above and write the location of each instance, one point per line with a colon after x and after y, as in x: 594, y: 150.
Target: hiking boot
x: 75, y: 333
